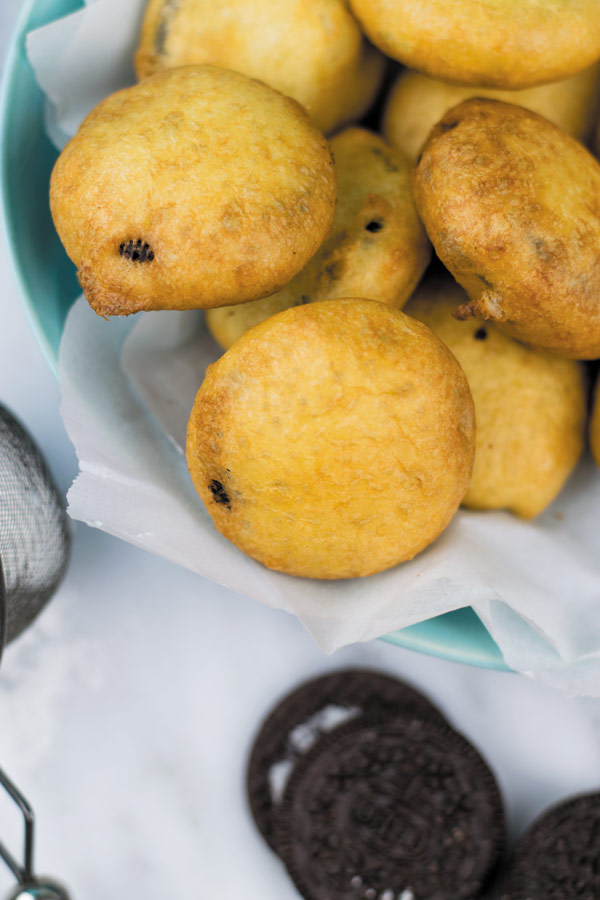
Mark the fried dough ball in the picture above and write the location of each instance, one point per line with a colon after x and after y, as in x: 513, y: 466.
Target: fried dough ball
x: 530, y: 407
x: 512, y: 206
x: 333, y: 440
x: 498, y: 43
x: 195, y: 188
x: 311, y: 50
x: 377, y: 247
x: 416, y: 102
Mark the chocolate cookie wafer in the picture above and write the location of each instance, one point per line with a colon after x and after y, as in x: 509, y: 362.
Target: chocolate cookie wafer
x: 388, y: 808
x: 316, y: 707
x: 558, y: 858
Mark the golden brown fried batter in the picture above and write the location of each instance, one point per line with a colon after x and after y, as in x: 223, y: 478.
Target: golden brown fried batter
x: 530, y: 406
x: 512, y: 206
x: 195, y: 188
x: 333, y: 440
x: 498, y: 43
x: 377, y: 247
x: 311, y: 50
x: 416, y: 102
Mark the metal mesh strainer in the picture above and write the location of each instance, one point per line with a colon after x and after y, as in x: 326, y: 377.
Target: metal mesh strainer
x: 34, y: 533
x: 34, y: 551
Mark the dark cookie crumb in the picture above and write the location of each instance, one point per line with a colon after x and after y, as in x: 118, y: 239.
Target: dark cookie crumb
x: 219, y: 493
x: 136, y: 251
x: 374, y: 225
x: 169, y: 10
x: 333, y: 270
x: 541, y: 248
x: 480, y: 334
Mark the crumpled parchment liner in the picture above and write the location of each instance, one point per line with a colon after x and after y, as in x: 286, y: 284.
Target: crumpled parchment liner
x: 128, y: 386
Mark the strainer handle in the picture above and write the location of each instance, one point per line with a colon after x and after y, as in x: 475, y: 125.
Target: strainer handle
x: 28, y: 885
x: 23, y: 873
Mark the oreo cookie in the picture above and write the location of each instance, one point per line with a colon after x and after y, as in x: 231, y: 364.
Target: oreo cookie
x: 382, y: 809
x: 558, y: 858
x: 314, y: 709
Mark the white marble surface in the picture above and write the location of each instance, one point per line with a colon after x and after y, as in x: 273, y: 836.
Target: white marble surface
x: 126, y: 712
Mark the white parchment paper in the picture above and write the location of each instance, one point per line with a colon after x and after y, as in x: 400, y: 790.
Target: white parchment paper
x: 128, y: 387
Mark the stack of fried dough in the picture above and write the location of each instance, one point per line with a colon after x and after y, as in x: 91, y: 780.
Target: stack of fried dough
x: 288, y: 167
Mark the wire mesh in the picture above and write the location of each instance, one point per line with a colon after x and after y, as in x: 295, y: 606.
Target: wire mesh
x: 34, y: 532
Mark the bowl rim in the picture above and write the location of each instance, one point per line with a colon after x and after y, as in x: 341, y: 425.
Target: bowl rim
x: 7, y: 89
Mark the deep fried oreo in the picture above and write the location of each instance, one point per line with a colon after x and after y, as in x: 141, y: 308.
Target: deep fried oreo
x: 512, y: 206
x: 342, y: 433
x: 198, y: 187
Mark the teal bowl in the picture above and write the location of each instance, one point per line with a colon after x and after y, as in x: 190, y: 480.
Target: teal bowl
x: 48, y: 283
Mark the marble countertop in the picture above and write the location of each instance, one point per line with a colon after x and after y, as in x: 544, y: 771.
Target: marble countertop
x: 127, y: 711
